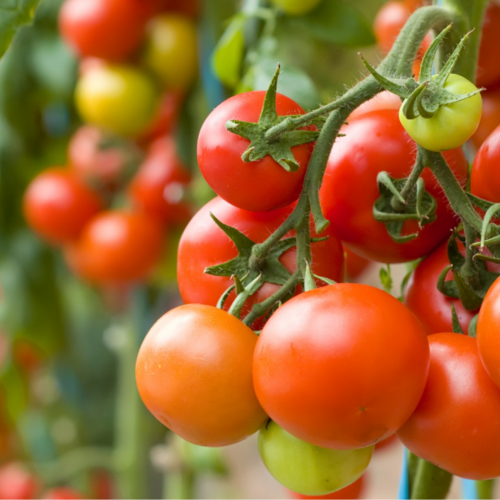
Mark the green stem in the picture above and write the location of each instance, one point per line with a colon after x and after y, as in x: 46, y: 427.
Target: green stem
x: 179, y: 483
x: 413, y: 462
x: 430, y: 481
x: 417, y: 170
x: 469, y: 270
x: 304, y: 242
x: 485, y: 489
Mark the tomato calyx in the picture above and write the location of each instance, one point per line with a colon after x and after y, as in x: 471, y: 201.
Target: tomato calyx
x: 261, y: 144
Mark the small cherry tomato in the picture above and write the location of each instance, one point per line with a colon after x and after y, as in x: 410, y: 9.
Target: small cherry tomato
x: 376, y: 142
x: 309, y: 469
x: 456, y: 426
x: 170, y: 50
x: 353, y: 491
x: 17, y: 482
x: 62, y: 493
x: 57, y: 205
x: 488, y: 69
x: 342, y: 366
x: 194, y: 374
x: 158, y: 186
x: 116, y: 247
x: 384, y: 100
x: 296, y: 7
x: 490, y: 119
x: 120, y: 98
x: 109, y: 29
x: 485, y: 179
x: 258, y: 186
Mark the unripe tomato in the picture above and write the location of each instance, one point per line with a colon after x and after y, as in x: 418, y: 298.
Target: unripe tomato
x: 353, y: 491
x: 57, y: 205
x: 296, y: 7
x: 342, y: 366
x: 62, y: 493
x: 159, y: 184
x: 194, y: 374
x: 490, y: 119
x: 117, y: 247
x: 485, y: 180
x: 376, y: 142
x: 17, y: 482
x: 257, y: 186
x: 309, y: 469
x: 120, y: 98
x: 171, y: 51
x: 453, y: 124
x: 488, y: 68
x: 456, y: 424
x: 109, y: 29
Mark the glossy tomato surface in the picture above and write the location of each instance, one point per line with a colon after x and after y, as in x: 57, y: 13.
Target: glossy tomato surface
x: 204, y: 244
x: 257, y: 186
x: 342, y: 366
x: 17, y: 482
x: 456, y: 426
x: 353, y: 491
x: 488, y: 70
x: 117, y: 247
x: 306, y: 468
x: 57, y: 205
x: 194, y: 374
x: 485, y: 178
x: 377, y: 142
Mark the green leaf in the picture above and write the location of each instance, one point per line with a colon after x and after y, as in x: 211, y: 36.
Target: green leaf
x: 13, y: 14
x: 228, y: 54
x: 386, y: 278
x: 338, y: 22
x: 457, y: 328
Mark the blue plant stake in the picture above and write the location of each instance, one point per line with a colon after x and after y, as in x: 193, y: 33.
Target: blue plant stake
x: 404, y: 485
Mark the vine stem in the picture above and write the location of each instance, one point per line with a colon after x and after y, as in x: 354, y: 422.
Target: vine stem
x: 430, y: 481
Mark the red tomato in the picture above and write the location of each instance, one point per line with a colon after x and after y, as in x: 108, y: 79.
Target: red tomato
x: 386, y: 443
x: 187, y: 7
x: 375, y: 142
x: 116, y: 247
x: 62, y: 493
x: 17, y: 482
x: 384, y: 100
x: 456, y: 424
x: 102, y: 485
x: 194, y: 374
x: 484, y: 180
x: 204, y: 244
x: 110, y: 29
x: 159, y: 184
x: 257, y: 186
x: 488, y: 70
x: 490, y: 118
x: 354, y: 490
x: 342, y: 366
x: 355, y: 265
x: 27, y: 355
x: 57, y: 205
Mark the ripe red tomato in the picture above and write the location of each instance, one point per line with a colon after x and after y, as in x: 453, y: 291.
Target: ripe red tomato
x: 342, y: 366
x: 488, y: 69
x: 17, y: 482
x: 384, y: 100
x: 110, y: 29
x: 353, y: 491
x: 376, y: 142
x: 57, y: 205
x: 355, y: 265
x: 194, y: 374
x: 484, y: 180
x: 456, y: 424
x: 62, y: 493
x: 116, y: 247
x: 204, y: 244
x: 158, y: 186
x: 257, y: 186
x: 490, y: 118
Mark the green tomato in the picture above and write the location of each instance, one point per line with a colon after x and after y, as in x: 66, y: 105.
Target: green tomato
x: 453, y: 124
x: 297, y: 7
x: 306, y: 468
x: 119, y: 98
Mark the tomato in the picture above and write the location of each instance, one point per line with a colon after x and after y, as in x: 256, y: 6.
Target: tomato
x: 342, y: 366
x: 386, y: 443
x: 57, y: 205
x: 296, y: 7
x: 120, y: 98
x: 62, y: 493
x: 453, y: 124
x: 353, y: 491
x: 384, y: 100
x: 204, y: 244
x: 456, y: 424
x: 189, y: 8
x: 488, y: 70
x: 309, y: 469
x: 487, y: 333
x: 355, y: 265
x: 194, y: 374
x: 93, y: 159
x: 171, y: 51
x: 17, y: 482
x: 490, y: 118
x: 484, y: 180
x: 27, y: 355
x: 159, y: 184
x: 257, y: 186
x: 376, y: 142
x: 117, y: 247
x: 102, y: 485
x: 109, y: 29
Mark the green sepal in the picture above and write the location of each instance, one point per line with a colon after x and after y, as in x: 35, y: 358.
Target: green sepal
x: 328, y: 281
x: 309, y: 283
x: 241, y: 298
x: 386, y: 278
x: 479, y: 202
x: 454, y: 320
x: 447, y: 287
x: 430, y: 55
x: 445, y: 72
x: 473, y: 326
x: 222, y: 300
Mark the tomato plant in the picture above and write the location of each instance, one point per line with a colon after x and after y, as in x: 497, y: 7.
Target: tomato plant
x: 194, y: 373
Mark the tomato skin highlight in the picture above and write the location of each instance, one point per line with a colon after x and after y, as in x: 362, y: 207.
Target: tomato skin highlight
x: 57, y: 205
x: 342, y: 366
x: 456, y: 424
x: 376, y: 142
x: 306, y: 468
x: 194, y: 374
x: 258, y: 186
